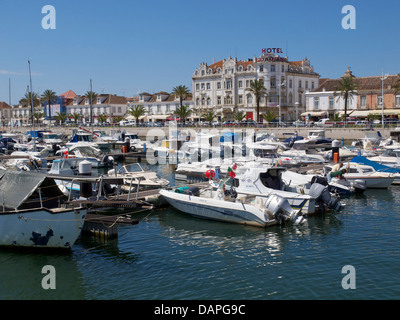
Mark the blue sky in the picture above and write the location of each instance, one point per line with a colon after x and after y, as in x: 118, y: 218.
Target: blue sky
x: 127, y: 47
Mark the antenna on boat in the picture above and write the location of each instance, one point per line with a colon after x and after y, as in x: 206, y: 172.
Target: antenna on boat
x: 33, y: 117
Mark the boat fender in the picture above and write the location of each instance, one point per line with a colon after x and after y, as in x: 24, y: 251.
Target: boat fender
x: 156, y: 153
x: 133, y: 148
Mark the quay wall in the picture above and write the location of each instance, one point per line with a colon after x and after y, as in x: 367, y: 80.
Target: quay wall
x: 281, y: 133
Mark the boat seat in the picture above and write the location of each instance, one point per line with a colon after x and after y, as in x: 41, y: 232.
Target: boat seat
x: 241, y: 198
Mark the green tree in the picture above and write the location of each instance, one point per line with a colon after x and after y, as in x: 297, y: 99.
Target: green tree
x: 239, y: 116
x: 51, y: 97
x: 38, y: 115
x: 209, y: 116
x: 102, y: 118
x: 76, y: 116
x: 91, y: 95
x: 183, y: 112
x: 269, y: 116
x: 26, y: 100
x: 137, y: 111
x: 117, y: 119
x: 346, y: 89
x: 258, y: 89
x: 181, y: 92
x: 61, y: 116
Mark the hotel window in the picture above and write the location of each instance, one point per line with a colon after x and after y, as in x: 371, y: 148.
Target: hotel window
x: 240, y: 99
x: 202, y: 86
x: 312, y: 85
x: 397, y: 101
x: 290, y: 83
x: 98, y: 101
x: 219, y: 100
x: 208, y: 86
x: 202, y: 101
x: 229, y: 84
x: 158, y: 108
x: 197, y: 86
x: 249, y: 99
x: 299, y: 83
x: 247, y: 83
x: 86, y: 101
x: 273, y: 82
x: 240, y: 83
x: 168, y: 108
x: 261, y: 68
x: 363, y: 102
x: 197, y: 101
x: 202, y: 72
x: 306, y: 84
x: 379, y: 100
x: 331, y: 102
x: 283, y: 68
x: 119, y: 109
x: 316, y: 103
x: 218, y: 85
x: 208, y: 101
x: 272, y: 68
x: 75, y: 102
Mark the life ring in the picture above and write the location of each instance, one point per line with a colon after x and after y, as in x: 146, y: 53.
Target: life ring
x: 133, y: 148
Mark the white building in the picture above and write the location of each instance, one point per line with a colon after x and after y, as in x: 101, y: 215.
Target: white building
x: 161, y: 105
x: 222, y: 86
x: 105, y: 104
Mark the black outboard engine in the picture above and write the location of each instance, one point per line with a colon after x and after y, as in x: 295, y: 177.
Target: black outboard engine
x: 323, y: 197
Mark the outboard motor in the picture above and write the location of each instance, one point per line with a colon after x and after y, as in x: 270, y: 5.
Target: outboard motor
x: 281, y: 210
x: 359, y: 186
x: 323, y: 197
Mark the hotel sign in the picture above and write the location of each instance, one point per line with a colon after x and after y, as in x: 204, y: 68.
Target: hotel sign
x: 271, y: 58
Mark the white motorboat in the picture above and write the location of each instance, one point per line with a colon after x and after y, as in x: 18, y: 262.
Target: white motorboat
x: 84, y: 138
x: 31, y: 216
x: 390, y: 156
x: 372, y: 178
x: 264, y: 181
x: 134, y: 175
x: 212, y: 203
x: 89, y: 152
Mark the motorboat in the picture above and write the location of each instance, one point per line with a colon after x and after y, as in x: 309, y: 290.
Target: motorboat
x: 390, y: 156
x: 135, y: 176
x: 217, y: 204
x: 84, y: 138
x: 94, y: 155
x: 373, y: 179
x: 266, y: 180
x: 31, y: 215
x: 395, y: 171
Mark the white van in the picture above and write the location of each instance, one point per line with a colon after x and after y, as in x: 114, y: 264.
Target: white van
x: 126, y: 123
x: 322, y: 122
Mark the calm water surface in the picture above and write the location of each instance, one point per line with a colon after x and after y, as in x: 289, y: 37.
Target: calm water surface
x: 173, y: 256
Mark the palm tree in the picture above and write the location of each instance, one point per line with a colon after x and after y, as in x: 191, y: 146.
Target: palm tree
x: 183, y: 112
x: 346, y: 89
x: 91, y: 95
x: 102, y: 118
x: 239, y: 116
x: 209, y: 116
x: 136, y: 111
x: 258, y: 89
x: 269, y: 116
x: 76, y: 116
x: 181, y: 92
x: 38, y: 115
x: 61, y: 116
x: 51, y: 97
x: 26, y: 100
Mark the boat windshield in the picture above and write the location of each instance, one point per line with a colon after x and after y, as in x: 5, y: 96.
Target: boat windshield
x: 85, y: 138
x: 133, y: 167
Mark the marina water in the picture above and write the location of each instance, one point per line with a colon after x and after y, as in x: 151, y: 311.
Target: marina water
x: 170, y: 255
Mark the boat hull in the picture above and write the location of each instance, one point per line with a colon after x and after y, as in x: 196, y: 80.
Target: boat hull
x: 218, y: 210
x: 41, y: 228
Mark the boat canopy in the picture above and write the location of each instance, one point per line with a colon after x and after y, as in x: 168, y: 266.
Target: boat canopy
x: 16, y: 187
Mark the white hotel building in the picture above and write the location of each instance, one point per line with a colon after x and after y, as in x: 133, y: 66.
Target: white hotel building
x: 222, y: 85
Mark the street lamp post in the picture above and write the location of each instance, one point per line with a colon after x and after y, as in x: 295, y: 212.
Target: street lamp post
x: 279, y: 100
x: 384, y: 77
x: 297, y: 113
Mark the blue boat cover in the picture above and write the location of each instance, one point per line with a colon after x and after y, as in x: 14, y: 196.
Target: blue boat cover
x: 377, y: 166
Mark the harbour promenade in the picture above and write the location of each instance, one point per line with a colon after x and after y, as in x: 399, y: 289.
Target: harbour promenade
x: 281, y: 133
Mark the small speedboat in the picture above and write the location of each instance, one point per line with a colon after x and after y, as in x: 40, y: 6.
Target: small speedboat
x: 223, y: 205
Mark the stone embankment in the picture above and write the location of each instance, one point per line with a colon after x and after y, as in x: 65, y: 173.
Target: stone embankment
x: 281, y: 133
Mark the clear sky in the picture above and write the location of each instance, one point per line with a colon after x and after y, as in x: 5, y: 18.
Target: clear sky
x: 128, y: 46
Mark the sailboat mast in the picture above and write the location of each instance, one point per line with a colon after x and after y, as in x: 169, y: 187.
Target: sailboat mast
x: 33, y: 118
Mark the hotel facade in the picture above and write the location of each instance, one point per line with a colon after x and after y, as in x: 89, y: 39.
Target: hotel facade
x: 223, y: 86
